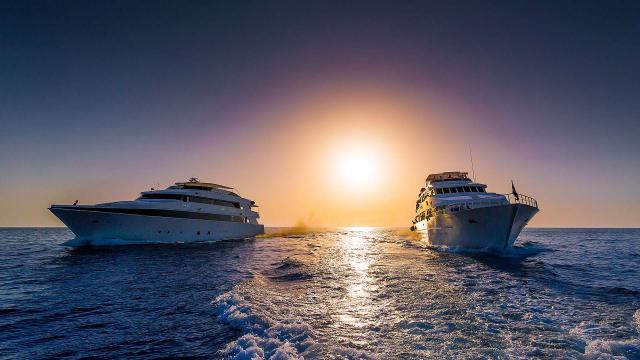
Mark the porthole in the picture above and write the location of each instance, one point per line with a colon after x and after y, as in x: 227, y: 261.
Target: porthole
x: 208, y: 232
x: 198, y: 233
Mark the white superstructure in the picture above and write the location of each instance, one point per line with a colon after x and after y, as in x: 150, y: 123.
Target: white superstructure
x: 185, y: 212
x: 452, y: 210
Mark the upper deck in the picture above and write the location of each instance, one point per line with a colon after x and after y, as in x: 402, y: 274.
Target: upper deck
x: 196, y: 191
x: 437, y: 183
x: 193, y: 183
x: 448, y: 176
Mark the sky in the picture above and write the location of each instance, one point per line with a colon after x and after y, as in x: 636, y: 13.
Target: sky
x: 325, y: 113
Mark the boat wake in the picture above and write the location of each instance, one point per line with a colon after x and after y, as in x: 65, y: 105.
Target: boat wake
x: 344, y: 294
x: 608, y: 349
x: 290, y: 269
x: 267, y: 331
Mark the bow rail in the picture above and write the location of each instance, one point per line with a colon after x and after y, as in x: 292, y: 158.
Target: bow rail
x: 521, y: 199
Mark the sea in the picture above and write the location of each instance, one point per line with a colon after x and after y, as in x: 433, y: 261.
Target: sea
x: 351, y: 293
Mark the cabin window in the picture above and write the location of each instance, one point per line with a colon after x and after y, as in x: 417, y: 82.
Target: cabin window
x: 447, y: 190
x: 460, y: 189
x: 439, y: 191
x: 480, y: 189
x: 194, y: 187
x: 213, y: 202
x: 163, y: 197
x: 467, y: 189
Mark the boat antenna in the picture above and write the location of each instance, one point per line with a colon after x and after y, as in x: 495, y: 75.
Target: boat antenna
x: 473, y: 171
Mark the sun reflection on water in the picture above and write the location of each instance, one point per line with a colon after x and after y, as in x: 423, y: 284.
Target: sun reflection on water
x: 360, y: 228
x: 357, y: 251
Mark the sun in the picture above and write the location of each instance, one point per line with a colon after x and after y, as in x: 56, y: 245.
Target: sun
x: 358, y: 167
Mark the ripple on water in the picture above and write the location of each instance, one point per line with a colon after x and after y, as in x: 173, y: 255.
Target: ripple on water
x: 290, y: 270
x: 346, y: 294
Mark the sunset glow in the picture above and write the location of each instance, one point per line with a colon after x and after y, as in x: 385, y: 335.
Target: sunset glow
x: 311, y: 126
x: 358, y: 167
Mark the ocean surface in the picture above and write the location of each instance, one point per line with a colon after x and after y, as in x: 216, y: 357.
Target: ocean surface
x: 339, y: 294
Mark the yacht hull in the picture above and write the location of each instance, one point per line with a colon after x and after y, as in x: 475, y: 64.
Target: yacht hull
x: 95, y: 228
x: 486, y: 228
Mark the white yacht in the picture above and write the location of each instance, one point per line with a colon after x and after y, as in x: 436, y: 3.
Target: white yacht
x: 454, y: 211
x: 185, y: 212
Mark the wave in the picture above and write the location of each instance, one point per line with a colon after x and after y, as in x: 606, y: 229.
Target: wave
x: 613, y: 349
x: 289, y: 263
x: 609, y: 348
x: 290, y: 270
x: 620, y: 290
x: 265, y: 334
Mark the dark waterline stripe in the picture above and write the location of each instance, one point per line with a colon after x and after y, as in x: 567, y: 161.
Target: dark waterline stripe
x: 159, y: 212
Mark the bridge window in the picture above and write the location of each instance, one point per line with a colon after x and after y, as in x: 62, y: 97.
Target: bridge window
x: 439, y: 191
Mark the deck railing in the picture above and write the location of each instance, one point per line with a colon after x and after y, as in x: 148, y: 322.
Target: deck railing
x: 522, y: 199
x: 451, y: 208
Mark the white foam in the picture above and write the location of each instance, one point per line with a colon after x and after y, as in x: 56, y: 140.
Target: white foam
x: 234, y: 311
x: 265, y: 337
x: 602, y: 349
x: 251, y: 346
x: 608, y: 349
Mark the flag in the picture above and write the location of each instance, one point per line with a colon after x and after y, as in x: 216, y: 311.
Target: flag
x: 514, y: 192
